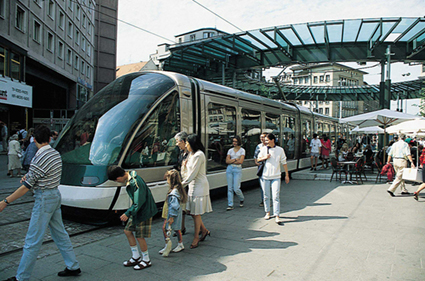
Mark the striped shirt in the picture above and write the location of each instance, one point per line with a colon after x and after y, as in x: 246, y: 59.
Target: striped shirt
x: 45, y: 170
x: 399, y: 150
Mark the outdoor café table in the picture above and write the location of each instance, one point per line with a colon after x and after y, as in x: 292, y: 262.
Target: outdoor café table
x: 349, y: 164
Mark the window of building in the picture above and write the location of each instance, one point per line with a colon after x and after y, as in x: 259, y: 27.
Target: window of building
x: 20, y: 19
x: 2, y: 8
x: 69, y: 57
x: 61, y: 20
x: 306, y: 80
x: 90, y: 8
x: 315, y: 79
x: 70, y: 29
x: 78, y: 12
x: 71, y: 4
x: 36, y: 32
x: 38, y: 2
x: 76, y: 62
x: 295, y: 80
x: 89, y: 28
x: 209, y: 34
x: 192, y: 37
x: 15, y: 66
x: 60, y: 50
x: 50, y: 41
x: 84, y: 20
x: 322, y: 78
x: 77, y: 37
x: 83, y: 67
x: 88, y: 72
x: 88, y: 49
x: 2, y: 61
x: 321, y: 110
x: 51, y: 9
x: 83, y: 43
x: 327, y: 110
x: 328, y: 78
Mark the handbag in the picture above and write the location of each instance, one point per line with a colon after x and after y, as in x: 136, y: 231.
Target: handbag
x: 411, y: 174
x: 261, y: 167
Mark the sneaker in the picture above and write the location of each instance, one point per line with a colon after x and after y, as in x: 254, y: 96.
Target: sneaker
x: 241, y: 204
x: 68, y: 272
x: 162, y: 250
x: 267, y: 217
x: 311, y: 169
x: 167, y: 249
x: 391, y: 193
x: 179, y: 248
x: 277, y: 219
x: 405, y: 193
x: 262, y: 204
x: 229, y: 208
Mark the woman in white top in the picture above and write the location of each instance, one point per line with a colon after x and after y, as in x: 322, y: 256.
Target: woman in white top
x: 14, y: 154
x: 198, y: 201
x: 234, y: 160
x: 274, y: 156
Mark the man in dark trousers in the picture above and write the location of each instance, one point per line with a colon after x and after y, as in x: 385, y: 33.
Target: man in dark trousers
x: 43, y: 178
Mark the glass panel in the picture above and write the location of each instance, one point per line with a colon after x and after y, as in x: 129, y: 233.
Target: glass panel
x: 96, y: 133
x: 304, y: 34
x: 366, y: 31
x: 273, y: 126
x: 154, y: 144
x: 351, y: 27
x: 278, y: 38
x: 264, y: 39
x: 289, y: 142
x: 2, y: 61
x: 15, y: 66
x: 418, y: 27
x: 306, y: 138
x: 251, y: 130
x: 318, y: 33
x: 290, y: 35
x: 221, y: 129
x: 253, y: 42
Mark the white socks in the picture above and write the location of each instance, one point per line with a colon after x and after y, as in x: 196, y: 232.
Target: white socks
x: 146, y: 256
x: 135, y: 252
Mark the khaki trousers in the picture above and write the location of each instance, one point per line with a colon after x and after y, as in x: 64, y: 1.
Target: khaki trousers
x: 399, y: 165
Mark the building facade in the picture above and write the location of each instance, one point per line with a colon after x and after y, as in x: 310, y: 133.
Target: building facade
x: 330, y: 74
x: 48, y: 46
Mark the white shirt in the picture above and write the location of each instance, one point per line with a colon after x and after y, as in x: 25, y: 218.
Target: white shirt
x: 315, y: 144
x: 236, y: 155
x: 272, y: 167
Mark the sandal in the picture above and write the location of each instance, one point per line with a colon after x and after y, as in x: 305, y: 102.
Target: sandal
x: 208, y: 233
x: 193, y: 246
x: 142, y: 265
x: 132, y: 262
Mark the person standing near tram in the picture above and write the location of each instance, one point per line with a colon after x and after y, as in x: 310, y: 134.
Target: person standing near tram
x: 234, y: 160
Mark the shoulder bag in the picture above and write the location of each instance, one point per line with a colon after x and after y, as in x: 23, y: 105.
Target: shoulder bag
x: 261, y: 167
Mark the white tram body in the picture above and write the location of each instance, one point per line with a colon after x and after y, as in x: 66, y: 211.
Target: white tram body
x: 132, y: 122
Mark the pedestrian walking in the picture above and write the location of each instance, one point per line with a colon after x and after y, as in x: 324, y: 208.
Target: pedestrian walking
x: 315, y: 145
x: 234, y: 160
x: 176, y: 195
x: 14, y: 155
x: 421, y: 165
x: 400, y: 151
x: 270, y: 180
x: 325, y: 151
x: 257, y: 151
x: 138, y: 216
x: 198, y: 201
x: 43, y: 178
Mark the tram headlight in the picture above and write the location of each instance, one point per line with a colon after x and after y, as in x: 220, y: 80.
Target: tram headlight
x: 90, y: 180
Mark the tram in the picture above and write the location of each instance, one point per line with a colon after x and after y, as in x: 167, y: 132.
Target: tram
x: 132, y: 122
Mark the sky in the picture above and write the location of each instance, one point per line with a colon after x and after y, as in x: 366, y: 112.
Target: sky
x: 168, y: 18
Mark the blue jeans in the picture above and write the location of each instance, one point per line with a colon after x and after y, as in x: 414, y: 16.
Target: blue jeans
x: 234, y: 177
x: 46, y: 212
x: 273, y: 186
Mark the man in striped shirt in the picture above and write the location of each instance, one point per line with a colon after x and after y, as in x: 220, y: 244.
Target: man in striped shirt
x: 43, y: 178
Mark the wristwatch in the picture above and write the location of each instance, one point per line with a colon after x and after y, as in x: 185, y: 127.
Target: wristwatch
x: 5, y: 201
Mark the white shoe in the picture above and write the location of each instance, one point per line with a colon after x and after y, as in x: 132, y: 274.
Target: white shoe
x: 162, y: 250
x: 277, y: 219
x: 179, y: 248
x: 267, y: 217
x: 167, y: 248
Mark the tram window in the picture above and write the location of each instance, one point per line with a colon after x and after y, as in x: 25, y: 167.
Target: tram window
x: 154, y: 144
x: 289, y: 141
x: 273, y: 126
x: 251, y: 130
x: 306, y: 138
x: 221, y: 128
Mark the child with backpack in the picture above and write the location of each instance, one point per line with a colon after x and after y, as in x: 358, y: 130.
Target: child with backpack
x: 138, y: 216
x: 176, y: 195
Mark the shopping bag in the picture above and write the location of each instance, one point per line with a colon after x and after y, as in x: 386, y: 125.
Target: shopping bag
x: 411, y: 174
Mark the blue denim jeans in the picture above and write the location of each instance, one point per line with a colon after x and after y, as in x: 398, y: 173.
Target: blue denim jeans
x: 274, y: 187
x: 234, y: 176
x: 46, y: 212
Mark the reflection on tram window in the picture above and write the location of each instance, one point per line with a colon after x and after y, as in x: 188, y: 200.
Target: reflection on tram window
x: 98, y: 131
x: 305, y: 138
x: 289, y: 136
x: 154, y: 144
x: 273, y: 126
x: 251, y: 130
x: 221, y: 129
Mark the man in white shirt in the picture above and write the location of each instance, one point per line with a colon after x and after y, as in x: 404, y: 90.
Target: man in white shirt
x: 316, y: 146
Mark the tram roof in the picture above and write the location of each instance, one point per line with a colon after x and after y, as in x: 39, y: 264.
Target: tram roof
x: 346, y: 40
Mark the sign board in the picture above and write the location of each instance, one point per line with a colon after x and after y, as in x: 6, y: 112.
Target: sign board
x: 15, y: 93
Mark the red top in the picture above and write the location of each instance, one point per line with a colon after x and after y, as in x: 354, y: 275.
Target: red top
x: 422, y: 157
x: 326, y: 147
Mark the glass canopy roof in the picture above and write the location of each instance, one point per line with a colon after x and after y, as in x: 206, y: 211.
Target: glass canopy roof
x: 353, y: 40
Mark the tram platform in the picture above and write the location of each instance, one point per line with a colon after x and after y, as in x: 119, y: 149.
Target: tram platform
x: 330, y: 231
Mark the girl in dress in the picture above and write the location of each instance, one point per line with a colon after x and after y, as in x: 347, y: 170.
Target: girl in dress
x: 176, y: 195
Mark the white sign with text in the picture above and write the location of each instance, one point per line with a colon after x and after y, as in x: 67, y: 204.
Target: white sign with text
x: 15, y: 93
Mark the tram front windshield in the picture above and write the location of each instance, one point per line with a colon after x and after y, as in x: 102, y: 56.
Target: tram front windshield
x: 95, y: 135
